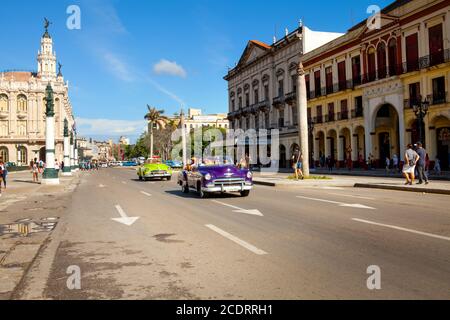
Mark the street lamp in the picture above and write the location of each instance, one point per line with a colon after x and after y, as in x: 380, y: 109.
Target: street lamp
x: 421, y: 110
x: 311, y: 125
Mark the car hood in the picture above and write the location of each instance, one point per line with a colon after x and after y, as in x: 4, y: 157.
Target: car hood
x: 155, y: 167
x: 224, y: 171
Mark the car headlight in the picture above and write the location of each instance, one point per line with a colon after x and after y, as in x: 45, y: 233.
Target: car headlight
x: 208, y: 177
x: 249, y: 175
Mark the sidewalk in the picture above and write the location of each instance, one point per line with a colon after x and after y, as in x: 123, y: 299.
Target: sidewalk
x: 28, y: 213
x: 281, y: 180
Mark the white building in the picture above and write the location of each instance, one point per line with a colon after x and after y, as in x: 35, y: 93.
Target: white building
x: 22, y: 108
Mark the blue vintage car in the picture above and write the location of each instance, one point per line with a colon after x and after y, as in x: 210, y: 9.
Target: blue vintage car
x: 215, y: 176
x: 174, y: 164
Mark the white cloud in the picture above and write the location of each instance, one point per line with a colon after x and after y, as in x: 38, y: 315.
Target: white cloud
x: 169, y: 67
x: 118, y: 67
x: 110, y: 128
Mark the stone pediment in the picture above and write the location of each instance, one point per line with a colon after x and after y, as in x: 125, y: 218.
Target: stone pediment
x: 385, y: 20
x: 253, y: 51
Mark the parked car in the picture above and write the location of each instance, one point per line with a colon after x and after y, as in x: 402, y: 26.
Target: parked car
x: 215, y: 175
x: 174, y: 164
x: 154, y: 169
x: 129, y: 164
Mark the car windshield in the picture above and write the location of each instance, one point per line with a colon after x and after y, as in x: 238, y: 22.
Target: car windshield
x: 153, y: 161
x: 216, y: 161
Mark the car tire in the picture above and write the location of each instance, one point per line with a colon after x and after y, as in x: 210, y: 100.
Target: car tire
x: 169, y: 178
x: 245, y: 193
x: 184, y: 187
x: 140, y: 178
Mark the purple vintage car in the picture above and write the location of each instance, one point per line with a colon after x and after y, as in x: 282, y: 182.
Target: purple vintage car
x: 216, y: 176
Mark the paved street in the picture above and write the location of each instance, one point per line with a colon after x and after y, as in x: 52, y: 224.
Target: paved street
x: 279, y: 243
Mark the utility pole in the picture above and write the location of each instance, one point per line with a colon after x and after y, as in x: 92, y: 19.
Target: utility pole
x: 302, y: 104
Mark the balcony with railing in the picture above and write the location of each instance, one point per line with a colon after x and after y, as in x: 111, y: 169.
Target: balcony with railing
x: 438, y: 98
x: 343, y: 115
x: 318, y: 119
x: 278, y: 101
x: 291, y: 97
x: 357, y: 113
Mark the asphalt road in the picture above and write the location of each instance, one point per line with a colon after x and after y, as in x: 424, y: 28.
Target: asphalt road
x: 276, y: 244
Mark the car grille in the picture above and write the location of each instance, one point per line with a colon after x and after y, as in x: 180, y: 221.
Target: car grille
x: 159, y: 172
x: 229, y: 181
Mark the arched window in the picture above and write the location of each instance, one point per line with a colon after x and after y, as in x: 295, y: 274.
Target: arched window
x: 381, y: 59
x: 22, y: 106
x: 4, y: 128
x: 23, y: 156
x: 392, y: 57
x: 4, y: 156
x: 4, y: 103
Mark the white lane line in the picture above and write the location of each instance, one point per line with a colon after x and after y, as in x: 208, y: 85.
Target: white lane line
x: 240, y: 242
x: 340, y: 204
x: 331, y: 188
x: 123, y: 182
x: 350, y: 196
x: 146, y: 194
x: 253, y: 212
x: 101, y: 186
x: 403, y: 229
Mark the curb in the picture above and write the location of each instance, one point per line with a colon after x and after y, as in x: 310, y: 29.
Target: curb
x: 401, y: 188
x: 264, y: 183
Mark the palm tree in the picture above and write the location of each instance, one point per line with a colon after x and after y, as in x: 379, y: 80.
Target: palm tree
x: 153, y: 117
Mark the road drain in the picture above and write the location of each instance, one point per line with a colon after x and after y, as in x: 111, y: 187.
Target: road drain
x: 25, y: 227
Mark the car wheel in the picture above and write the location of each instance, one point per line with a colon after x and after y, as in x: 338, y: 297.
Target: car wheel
x: 184, y: 187
x: 140, y: 178
x: 169, y: 178
x: 245, y: 193
x: 200, y: 191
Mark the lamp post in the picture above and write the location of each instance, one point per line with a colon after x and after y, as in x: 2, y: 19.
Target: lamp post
x: 421, y: 110
x: 50, y: 175
x: 311, y: 141
x: 67, y: 171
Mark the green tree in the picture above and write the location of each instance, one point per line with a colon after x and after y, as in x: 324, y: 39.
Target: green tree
x: 155, y: 118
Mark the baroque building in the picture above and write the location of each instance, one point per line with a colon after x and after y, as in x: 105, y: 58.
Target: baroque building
x: 363, y: 87
x: 22, y: 108
x: 262, y: 87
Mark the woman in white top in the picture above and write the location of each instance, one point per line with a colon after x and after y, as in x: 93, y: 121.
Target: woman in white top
x: 411, y: 158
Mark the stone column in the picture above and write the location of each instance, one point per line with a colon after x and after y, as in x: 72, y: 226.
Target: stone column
x: 355, y: 151
x: 67, y: 166
x: 50, y: 175
x: 75, y: 153
x: 340, y: 143
x: 302, y: 104
x: 316, y: 147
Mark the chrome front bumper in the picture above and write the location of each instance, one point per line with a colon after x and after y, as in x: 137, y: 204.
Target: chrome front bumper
x: 157, y: 175
x: 228, y: 188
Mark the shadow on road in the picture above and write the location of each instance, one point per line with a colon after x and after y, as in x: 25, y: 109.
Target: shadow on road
x: 194, y: 195
x: 26, y: 181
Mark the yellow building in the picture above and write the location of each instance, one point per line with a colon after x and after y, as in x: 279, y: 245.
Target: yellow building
x: 364, y: 85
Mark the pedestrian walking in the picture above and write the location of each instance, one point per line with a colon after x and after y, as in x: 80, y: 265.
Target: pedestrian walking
x: 421, y: 164
x: 388, y: 165
x: 4, y: 173
x: 395, y: 163
x: 411, y: 158
x: 57, y: 166
x: 330, y: 163
x: 298, y: 164
x: 62, y: 166
x: 437, y: 166
x: 35, y: 168
x: 1, y: 176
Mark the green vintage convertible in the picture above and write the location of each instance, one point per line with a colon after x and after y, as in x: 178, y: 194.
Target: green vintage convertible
x: 154, y: 169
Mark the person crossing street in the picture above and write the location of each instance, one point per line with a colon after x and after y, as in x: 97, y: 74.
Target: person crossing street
x: 421, y: 164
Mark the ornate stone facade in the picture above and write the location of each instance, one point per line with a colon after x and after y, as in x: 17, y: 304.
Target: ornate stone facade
x: 22, y: 108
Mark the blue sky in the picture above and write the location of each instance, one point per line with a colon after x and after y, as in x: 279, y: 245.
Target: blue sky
x: 164, y: 53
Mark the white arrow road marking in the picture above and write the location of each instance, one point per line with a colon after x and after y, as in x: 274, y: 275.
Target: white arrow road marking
x: 124, y: 219
x: 101, y: 186
x: 253, y: 212
x: 146, y: 194
x: 340, y: 204
x: 403, y: 229
x: 240, y: 242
